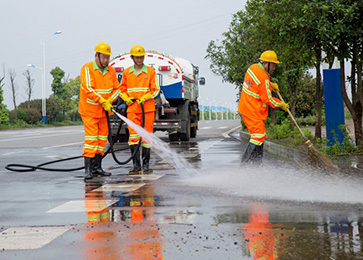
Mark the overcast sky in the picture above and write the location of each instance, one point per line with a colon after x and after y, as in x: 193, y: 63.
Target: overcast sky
x: 179, y: 28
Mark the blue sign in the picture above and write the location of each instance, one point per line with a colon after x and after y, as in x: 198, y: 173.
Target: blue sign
x: 334, y: 106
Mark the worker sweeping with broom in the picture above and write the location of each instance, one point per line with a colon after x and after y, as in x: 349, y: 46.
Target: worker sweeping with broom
x: 254, y: 101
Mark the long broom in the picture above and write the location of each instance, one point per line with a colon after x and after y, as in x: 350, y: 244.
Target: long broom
x: 317, y: 157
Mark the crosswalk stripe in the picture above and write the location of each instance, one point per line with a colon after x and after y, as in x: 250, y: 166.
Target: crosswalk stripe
x: 79, y: 205
x: 100, y: 204
x: 120, y: 187
x: 27, y: 238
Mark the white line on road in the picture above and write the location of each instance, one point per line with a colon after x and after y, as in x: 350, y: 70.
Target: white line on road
x: 35, y: 136
x: 27, y: 238
x: 61, y: 145
x: 79, y: 205
x: 226, y: 134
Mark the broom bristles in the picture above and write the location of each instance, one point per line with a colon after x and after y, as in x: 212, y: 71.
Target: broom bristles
x: 320, y: 159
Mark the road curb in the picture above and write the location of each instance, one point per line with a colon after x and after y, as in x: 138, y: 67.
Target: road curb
x: 350, y: 163
x: 288, y: 153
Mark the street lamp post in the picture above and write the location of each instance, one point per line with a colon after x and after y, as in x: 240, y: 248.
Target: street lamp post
x: 202, y: 110
x: 44, y: 103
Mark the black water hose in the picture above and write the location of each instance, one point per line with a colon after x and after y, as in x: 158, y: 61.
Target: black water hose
x: 114, y: 140
x: 29, y: 168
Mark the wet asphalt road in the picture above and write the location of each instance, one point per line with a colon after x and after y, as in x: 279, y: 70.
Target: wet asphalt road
x: 217, y: 210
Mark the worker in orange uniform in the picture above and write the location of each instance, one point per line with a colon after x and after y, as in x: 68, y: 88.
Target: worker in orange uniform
x: 254, y: 101
x: 99, y: 88
x: 97, y: 234
x: 145, y: 241
x: 260, y: 237
x: 139, y: 83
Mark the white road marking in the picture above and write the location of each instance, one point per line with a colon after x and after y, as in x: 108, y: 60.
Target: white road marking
x: 120, y: 187
x: 100, y: 204
x: 79, y: 205
x: 226, y: 134
x: 26, y: 238
x: 42, y: 135
x: 61, y: 145
x: 151, y: 177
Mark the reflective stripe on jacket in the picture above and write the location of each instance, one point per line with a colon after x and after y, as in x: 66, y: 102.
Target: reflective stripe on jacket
x: 256, y: 93
x: 136, y: 85
x: 94, y: 85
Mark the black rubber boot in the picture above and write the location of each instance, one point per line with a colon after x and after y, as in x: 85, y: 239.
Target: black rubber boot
x: 88, y: 165
x: 97, y: 167
x: 253, y: 154
x: 258, y: 155
x: 135, y: 160
x: 145, y: 160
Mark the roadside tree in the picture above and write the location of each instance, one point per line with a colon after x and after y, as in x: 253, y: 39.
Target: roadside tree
x: 4, y: 113
x: 29, y: 89
x: 14, y: 89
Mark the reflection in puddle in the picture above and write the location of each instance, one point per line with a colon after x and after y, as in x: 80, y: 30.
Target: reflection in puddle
x: 142, y: 241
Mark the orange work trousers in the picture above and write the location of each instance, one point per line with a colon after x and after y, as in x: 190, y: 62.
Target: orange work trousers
x: 256, y: 128
x: 96, y: 132
x: 148, y: 126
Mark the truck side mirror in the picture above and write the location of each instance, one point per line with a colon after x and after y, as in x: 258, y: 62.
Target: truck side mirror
x: 201, y: 81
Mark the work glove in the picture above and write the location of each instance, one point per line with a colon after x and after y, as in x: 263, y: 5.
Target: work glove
x: 284, y: 106
x: 106, y: 105
x: 144, y: 98
x: 127, y: 99
x: 110, y: 100
x: 275, y: 87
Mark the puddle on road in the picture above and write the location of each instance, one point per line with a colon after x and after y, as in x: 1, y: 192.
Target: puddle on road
x: 287, y: 213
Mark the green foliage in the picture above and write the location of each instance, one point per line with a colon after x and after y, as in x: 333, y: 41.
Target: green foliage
x: 35, y: 106
x: 4, y: 113
x: 308, y: 120
x: 30, y: 115
x: 53, y: 109
x: 264, y: 25
x: 57, y: 85
x: 66, y: 93
x: 72, y: 97
x: 346, y: 147
x: 305, y: 103
x: 283, y: 131
x: 279, y: 131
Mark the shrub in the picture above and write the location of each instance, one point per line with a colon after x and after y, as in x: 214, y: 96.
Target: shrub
x: 346, y: 147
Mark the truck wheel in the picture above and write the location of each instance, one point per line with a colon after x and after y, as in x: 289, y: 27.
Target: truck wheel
x: 193, y: 132
x: 173, y: 137
x: 186, y: 136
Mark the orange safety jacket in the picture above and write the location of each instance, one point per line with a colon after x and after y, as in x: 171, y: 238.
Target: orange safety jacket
x: 136, y: 85
x: 94, y: 86
x: 256, y: 93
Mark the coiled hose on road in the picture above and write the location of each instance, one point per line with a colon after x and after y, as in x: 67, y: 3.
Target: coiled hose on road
x: 29, y: 168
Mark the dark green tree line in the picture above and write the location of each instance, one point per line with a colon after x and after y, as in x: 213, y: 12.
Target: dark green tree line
x: 301, y: 32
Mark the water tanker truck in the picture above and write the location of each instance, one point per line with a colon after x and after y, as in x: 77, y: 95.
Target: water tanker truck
x: 177, y: 110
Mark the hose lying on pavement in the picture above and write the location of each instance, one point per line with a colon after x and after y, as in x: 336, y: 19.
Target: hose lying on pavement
x: 30, y: 168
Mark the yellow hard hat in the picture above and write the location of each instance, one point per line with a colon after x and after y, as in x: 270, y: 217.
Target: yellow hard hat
x: 137, y: 50
x: 269, y: 56
x: 103, y: 48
